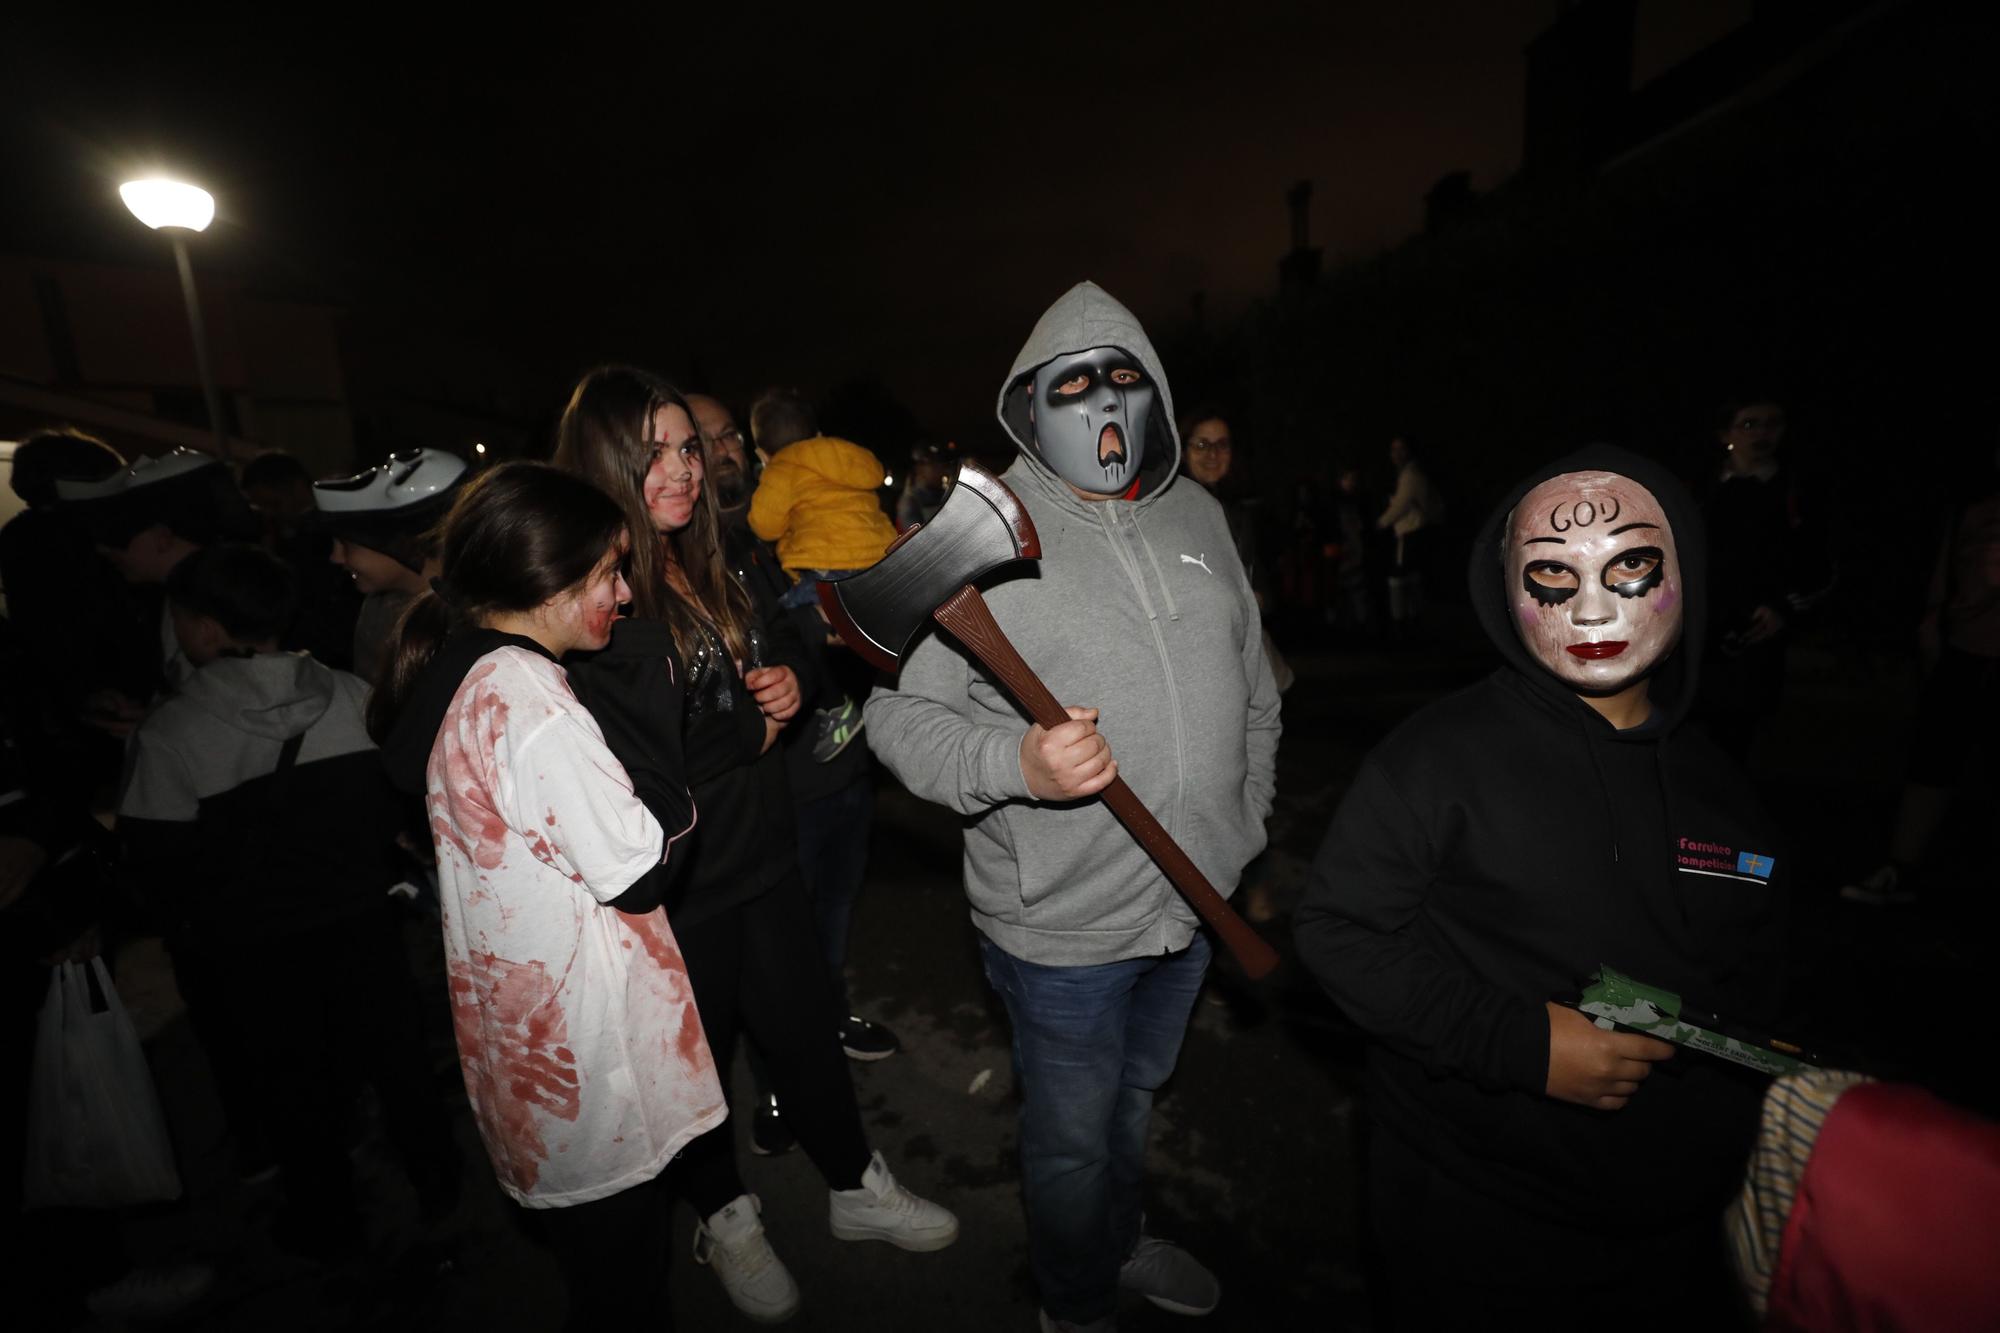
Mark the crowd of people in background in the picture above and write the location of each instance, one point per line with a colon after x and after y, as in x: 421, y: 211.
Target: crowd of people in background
x: 242, y: 673
x: 585, y: 719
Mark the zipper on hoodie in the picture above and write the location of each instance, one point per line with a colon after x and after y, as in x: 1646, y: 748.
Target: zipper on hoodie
x: 1130, y: 564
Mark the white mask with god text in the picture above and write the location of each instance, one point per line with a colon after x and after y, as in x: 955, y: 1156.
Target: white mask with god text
x: 1593, y: 580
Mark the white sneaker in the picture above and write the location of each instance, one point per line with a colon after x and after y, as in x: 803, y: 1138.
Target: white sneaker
x: 731, y: 1241
x: 1051, y: 1324
x: 883, y: 1210
x: 1169, y: 1277
x: 1885, y: 887
x: 159, y: 1292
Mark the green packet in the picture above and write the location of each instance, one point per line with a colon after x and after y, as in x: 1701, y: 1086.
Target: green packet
x: 1618, y: 1002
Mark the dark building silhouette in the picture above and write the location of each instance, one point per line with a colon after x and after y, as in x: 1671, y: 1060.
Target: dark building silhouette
x: 1578, y: 78
x: 1794, y: 205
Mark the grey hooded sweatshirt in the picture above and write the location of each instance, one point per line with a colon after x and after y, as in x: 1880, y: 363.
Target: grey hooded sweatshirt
x: 1138, y: 608
x: 230, y: 838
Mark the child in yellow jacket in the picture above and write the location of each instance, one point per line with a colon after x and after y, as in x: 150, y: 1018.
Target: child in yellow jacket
x: 816, y: 501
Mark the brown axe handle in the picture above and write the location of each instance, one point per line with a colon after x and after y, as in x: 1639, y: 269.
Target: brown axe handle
x: 966, y: 615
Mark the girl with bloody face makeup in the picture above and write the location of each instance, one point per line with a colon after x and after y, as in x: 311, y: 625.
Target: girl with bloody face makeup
x: 1496, y: 850
x: 583, y: 1054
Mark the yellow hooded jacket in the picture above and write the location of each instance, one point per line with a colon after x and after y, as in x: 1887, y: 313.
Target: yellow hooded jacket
x: 817, y: 502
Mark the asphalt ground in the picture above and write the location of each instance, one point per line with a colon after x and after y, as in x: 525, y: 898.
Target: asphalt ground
x: 1253, y: 1150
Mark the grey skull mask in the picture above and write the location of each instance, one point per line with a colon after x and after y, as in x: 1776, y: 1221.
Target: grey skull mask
x: 1090, y: 413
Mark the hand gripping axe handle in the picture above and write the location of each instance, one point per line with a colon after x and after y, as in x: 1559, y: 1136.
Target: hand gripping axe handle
x: 929, y: 574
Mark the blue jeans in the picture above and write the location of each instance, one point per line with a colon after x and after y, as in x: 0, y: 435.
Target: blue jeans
x: 1091, y: 1045
x: 806, y: 591
x: 833, y: 859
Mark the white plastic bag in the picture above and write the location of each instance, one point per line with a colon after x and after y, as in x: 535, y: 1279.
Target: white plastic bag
x: 96, y: 1138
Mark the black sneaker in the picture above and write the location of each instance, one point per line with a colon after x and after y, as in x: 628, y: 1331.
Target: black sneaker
x: 329, y: 1238
x: 863, y: 1040
x: 257, y: 1171
x: 437, y: 1186
x: 1888, y: 886
x: 769, y: 1135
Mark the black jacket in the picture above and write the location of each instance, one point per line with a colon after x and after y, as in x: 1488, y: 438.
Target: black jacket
x: 254, y: 806
x: 1499, y: 847
x: 744, y: 840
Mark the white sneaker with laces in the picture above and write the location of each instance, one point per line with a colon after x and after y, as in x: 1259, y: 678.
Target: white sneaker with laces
x: 1051, y: 1324
x: 159, y: 1292
x: 1169, y: 1277
x: 1884, y: 887
x: 731, y: 1241
x: 883, y: 1210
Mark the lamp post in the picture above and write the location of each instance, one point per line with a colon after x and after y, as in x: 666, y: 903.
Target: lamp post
x: 180, y: 210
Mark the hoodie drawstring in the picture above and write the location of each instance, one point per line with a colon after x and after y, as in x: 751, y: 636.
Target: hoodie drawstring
x: 1603, y: 787
x: 1125, y: 560
x: 1667, y: 808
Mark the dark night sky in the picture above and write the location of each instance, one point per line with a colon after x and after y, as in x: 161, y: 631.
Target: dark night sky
x: 757, y: 200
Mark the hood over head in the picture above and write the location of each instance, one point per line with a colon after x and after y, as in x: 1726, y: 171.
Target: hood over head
x: 1084, y: 318
x: 1496, y: 582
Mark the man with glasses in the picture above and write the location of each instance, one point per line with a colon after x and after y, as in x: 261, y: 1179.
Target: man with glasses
x: 727, y: 454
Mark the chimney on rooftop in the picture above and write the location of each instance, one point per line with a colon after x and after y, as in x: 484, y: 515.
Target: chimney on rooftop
x: 1299, y: 270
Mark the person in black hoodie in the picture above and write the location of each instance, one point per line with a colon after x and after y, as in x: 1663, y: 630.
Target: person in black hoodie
x: 1493, y: 852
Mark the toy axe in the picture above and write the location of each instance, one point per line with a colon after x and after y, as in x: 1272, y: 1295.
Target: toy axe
x: 929, y: 573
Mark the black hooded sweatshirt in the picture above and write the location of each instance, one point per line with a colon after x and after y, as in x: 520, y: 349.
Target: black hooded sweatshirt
x: 1493, y: 852
x: 746, y: 840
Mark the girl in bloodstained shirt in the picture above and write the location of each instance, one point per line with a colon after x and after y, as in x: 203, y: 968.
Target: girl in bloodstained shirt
x: 584, y: 1057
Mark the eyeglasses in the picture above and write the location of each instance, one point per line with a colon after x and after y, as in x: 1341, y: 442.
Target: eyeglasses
x: 732, y: 438
x: 1201, y: 446
x: 1776, y: 421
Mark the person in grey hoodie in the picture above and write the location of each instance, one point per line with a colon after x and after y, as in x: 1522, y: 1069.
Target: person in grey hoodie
x: 258, y: 825
x: 1139, y: 607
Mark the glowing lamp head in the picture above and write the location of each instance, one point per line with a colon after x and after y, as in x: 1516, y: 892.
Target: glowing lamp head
x: 163, y: 203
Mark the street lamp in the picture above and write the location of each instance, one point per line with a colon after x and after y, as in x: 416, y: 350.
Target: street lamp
x: 179, y: 209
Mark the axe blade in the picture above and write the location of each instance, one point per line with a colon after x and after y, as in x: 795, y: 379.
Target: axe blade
x: 980, y: 526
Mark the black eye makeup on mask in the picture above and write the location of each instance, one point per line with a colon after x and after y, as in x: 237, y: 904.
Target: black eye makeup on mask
x: 1549, y: 582
x: 1637, y: 572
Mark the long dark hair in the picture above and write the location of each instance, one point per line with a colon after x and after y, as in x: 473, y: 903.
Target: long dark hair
x: 606, y: 437
x: 521, y: 535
